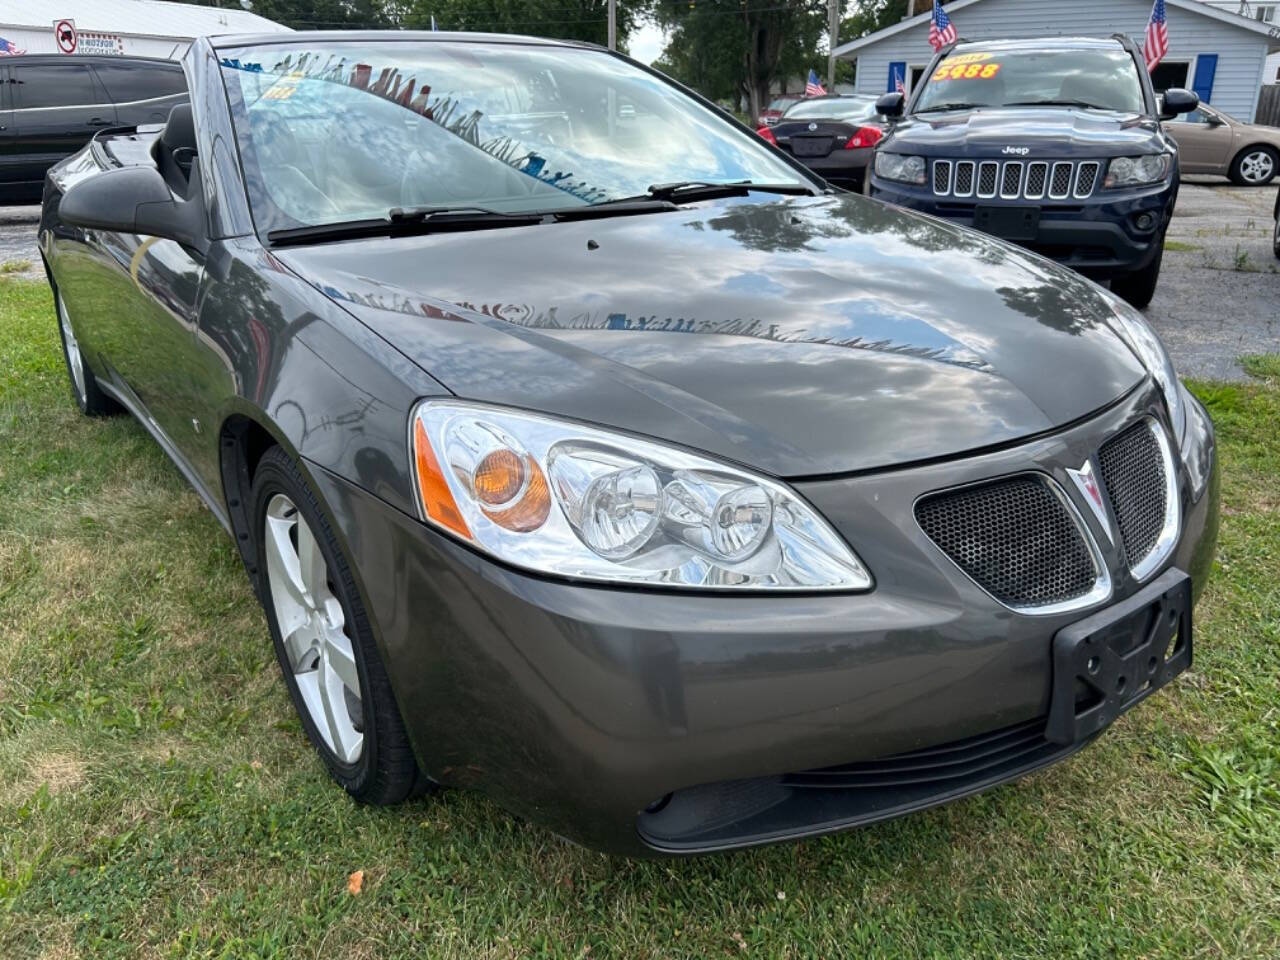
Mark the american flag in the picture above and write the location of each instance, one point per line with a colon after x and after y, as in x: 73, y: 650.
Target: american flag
x: 1157, y: 42
x: 9, y: 49
x: 813, y: 86
x: 941, y: 30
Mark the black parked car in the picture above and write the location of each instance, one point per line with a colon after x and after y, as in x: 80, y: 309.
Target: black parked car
x: 1054, y: 144
x: 622, y: 471
x: 51, y: 105
x: 832, y: 136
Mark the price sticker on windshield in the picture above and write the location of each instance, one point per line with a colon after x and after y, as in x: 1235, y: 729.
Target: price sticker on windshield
x: 965, y: 71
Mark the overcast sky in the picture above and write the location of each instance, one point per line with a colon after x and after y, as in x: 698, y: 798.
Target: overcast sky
x: 646, y: 43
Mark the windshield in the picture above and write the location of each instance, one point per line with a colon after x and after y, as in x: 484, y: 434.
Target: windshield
x: 781, y: 103
x: 842, y: 109
x: 1105, y: 79
x: 330, y: 133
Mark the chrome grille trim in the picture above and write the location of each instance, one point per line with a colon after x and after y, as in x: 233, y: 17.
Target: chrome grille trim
x: 1012, y: 172
x: 964, y: 178
x: 1143, y: 566
x: 942, y: 177
x: 988, y: 173
x: 1098, y: 592
x: 1060, y: 181
x: 1037, y: 179
x: 1086, y: 178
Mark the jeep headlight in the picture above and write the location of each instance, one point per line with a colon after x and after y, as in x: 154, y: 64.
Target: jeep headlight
x: 900, y: 167
x: 1132, y: 171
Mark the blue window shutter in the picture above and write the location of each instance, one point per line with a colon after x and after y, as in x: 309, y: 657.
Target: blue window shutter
x: 1206, y: 66
x: 897, y: 72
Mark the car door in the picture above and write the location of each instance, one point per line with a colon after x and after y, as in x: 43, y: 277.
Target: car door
x: 1203, y: 139
x: 57, y: 107
x: 143, y: 92
x: 9, y: 178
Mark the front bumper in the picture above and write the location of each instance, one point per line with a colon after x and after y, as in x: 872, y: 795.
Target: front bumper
x: 580, y: 706
x: 1097, y: 236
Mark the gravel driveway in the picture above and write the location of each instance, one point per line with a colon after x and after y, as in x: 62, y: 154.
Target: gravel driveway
x: 1218, y: 298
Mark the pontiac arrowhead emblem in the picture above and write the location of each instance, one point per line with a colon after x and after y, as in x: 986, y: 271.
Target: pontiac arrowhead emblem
x: 1087, y: 483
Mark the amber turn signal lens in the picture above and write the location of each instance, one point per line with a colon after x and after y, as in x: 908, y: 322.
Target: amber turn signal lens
x: 433, y: 488
x: 531, y: 510
x: 498, y: 477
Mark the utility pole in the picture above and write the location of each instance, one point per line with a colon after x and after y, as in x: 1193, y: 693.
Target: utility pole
x: 833, y: 35
x: 613, y: 24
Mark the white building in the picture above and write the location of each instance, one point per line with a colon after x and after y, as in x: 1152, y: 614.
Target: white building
x: 1263, y: 11
x: 146, y: 28
x: 1217, y: 53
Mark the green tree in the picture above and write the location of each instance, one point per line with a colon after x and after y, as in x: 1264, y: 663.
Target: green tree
x: 562, y: 19
x: 738, y: 49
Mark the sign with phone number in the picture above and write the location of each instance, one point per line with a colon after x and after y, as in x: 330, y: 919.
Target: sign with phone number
x: 966, y: 71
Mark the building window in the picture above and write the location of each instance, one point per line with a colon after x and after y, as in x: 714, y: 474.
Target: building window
x: 1170, y: 73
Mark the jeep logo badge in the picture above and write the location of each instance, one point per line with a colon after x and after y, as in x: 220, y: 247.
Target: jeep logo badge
x: 1018, y: 151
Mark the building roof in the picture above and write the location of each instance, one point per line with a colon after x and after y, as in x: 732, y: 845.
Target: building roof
x: 136, y: 18
x: 1193, y: 6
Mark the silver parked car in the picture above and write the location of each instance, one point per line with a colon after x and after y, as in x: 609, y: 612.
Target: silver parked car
x: 1210, y: 141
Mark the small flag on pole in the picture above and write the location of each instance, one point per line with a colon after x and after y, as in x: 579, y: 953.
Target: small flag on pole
x: 10, y: 49
x: 941, y: 30
x: 813, y: 86
x: 1157, y: 40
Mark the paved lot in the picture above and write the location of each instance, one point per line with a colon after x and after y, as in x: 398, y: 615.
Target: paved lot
x: 1219, y: 293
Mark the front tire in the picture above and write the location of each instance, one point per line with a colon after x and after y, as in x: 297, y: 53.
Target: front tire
x: 84, y: 383
x: 323, y: 640
x: 1139, y: 286
x: 1254, y: 166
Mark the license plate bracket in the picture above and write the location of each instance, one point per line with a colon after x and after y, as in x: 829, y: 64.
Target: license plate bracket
x: 1008, y: 223
x: 1111, y: 661
x: 803, y: 146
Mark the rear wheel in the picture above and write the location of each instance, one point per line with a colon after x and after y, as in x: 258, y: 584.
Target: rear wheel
x: 84, y: 385
x: 1254, y: 166
x: 1139, y: 286
x: 323, y: 641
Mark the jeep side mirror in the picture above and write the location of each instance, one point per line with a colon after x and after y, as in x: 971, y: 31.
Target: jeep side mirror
x: 1176, y: 101
x: 890, y: 104
x: 135, y: 200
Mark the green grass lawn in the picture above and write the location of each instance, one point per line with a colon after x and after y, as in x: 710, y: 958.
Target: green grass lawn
x: 157, y: 797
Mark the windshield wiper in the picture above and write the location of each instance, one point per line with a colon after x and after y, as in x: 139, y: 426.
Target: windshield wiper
x: 690, y: 190
x: 401, y: 220
x: 956, y: 105
x: 1057, y: 103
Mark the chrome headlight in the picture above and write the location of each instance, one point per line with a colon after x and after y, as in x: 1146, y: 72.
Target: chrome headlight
x: 560, y: 498
x: 1132, y: 171
x: 900, y: 167
x: 1135, y: 330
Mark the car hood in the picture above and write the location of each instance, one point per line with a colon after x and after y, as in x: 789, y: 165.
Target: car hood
x: 804, y: 337
x: 1052, y: 132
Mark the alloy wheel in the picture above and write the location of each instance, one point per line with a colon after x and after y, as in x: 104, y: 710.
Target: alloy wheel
x: 1257, y: 167
x: 74, y: 359
x: 314, y: 630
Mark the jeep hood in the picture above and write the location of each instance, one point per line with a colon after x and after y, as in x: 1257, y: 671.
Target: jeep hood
x: 1046, y: 133
x: 803, y: 337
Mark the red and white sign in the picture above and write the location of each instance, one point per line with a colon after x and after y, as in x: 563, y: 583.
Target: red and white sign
x: 65, y: 36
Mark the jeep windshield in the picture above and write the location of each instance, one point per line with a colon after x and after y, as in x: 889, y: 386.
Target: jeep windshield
x: 1082, y: 77
x: 345, y: 131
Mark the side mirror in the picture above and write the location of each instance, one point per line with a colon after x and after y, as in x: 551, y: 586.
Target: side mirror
x: 135, y: 200
x: 1176, y: 101
x: 891, y: 104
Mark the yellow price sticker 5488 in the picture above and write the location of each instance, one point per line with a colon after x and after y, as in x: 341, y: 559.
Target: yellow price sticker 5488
x: 966, y: 71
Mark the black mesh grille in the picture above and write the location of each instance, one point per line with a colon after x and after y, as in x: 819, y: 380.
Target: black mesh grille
x: 1037, y: 174
x: 1085, y: 179
x: 1133, y: 470
x: 1011, y: 180
x: 941, y: 175
x: 987, y: 179
x: 964, y: 179
x: 1060, y: 185
x: 1014, y: 537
